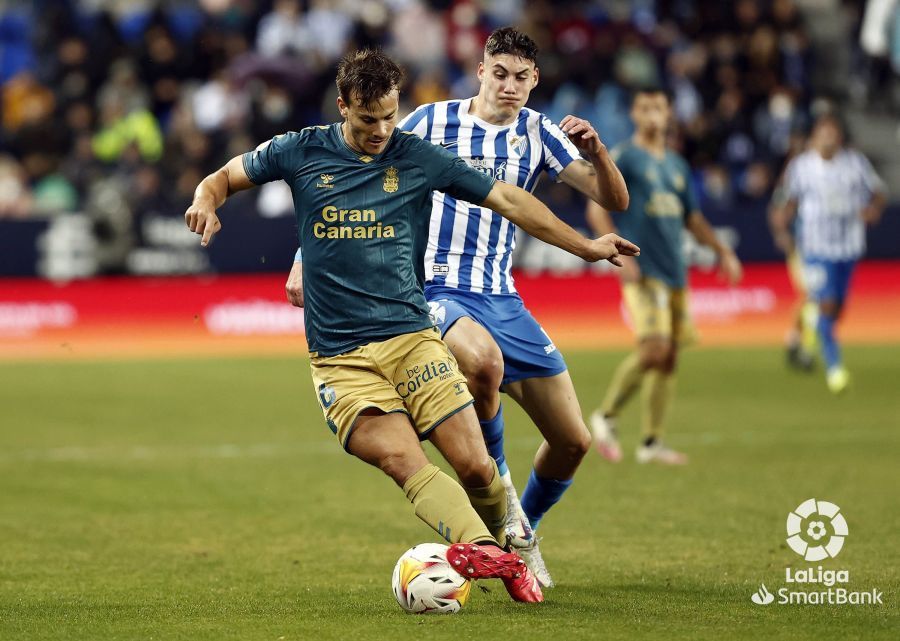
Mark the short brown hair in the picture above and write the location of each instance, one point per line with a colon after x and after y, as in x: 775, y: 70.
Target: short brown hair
x: 367, y: 75
x: 515, y: 43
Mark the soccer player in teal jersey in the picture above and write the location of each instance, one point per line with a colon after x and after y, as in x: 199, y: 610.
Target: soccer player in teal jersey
x: 498, y: 344
x: 362, y: 196
x: 653, y: 285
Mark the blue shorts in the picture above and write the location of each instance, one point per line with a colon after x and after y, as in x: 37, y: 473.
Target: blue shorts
x: 527, y: 350
x: 827, y: 279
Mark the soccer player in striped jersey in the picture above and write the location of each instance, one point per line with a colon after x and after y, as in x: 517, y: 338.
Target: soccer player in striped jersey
x: 654, y: 287
x: 470, y: 289
x: 834, y: 192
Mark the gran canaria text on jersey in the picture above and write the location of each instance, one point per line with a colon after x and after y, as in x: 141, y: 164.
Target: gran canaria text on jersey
x: 344, y: 227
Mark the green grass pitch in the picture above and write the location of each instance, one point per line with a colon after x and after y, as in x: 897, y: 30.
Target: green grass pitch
x: 206, y: 499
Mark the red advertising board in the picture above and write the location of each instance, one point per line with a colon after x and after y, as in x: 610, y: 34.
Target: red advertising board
x: 170, y: 317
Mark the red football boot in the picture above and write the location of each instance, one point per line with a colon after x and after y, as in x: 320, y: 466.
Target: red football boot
x: 490, y: 562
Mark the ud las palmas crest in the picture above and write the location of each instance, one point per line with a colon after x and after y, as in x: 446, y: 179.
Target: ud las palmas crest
x: 391, y: 180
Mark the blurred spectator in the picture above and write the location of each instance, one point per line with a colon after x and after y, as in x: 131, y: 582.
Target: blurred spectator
x: 15, y: 196
x: 106, y: 102
x: 125, y: 119
x: 283, y: 31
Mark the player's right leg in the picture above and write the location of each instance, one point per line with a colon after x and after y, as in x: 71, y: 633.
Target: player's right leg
x: 481, y: 362
x: 439, y: 403
x: 801, y: 338
x: 380, y: 400
x: 389, y: 442
x: 657, y: 355
x: 368, y: 416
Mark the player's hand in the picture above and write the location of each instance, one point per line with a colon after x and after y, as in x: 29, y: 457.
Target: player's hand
x: 730, y: 267
x: 202, y: 219
x: 871, y: 215
x: 784, y: 242
x: 582, y: 135
x: 294, y: 285
x: 610, y: 247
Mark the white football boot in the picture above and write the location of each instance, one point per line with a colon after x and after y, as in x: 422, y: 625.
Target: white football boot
x: 659, y: 453
x: 606, y: 437
x: 521, y: 537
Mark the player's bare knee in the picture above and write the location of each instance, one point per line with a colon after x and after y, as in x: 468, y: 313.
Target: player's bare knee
x: 671, y: 361
x: 486, y: 371
x: 475, y: 472
x: 578, y: 445
x: 652, y: 358
x: 399, y: 466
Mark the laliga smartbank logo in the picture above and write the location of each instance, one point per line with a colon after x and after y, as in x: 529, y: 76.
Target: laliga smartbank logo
x: 816, y: 530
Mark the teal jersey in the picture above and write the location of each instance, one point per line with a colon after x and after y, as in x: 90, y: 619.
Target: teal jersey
x: 660, y: 199
x: 363, y: 226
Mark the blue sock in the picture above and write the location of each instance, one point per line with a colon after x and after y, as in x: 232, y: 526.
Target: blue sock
x: 493, y: 438
x: 830, y: 350
x: 540, y: 495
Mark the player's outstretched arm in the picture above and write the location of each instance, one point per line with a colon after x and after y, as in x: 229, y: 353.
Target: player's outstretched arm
x: 597, y: 177
x: 781, y: 213
x: 212, y: 191
x: 526, y: 211
x: 729, y: 265
x: 599, y: 219
x: 600, y: 222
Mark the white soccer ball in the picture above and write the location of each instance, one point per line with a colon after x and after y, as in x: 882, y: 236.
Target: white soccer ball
x: 425, y: 583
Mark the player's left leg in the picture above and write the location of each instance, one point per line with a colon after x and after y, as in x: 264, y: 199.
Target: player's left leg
x: 829, y: 284
x: 459, y: 441
x: 455, y: 314
x: 528, y: 353
x: 552, y: 404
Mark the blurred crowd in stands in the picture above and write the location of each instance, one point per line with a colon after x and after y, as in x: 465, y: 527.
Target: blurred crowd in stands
x: 118, y: 107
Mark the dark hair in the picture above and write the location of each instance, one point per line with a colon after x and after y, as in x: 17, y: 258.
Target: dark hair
x: 367, y: 76
x: 650, y: 90
x: 515, y: 43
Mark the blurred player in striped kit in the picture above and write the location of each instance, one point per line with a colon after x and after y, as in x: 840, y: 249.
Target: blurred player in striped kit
x: 801, y: 342
x: 834, y: 192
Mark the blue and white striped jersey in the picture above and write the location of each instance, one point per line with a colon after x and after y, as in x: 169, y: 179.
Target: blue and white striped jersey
x: 830, y: 195
x: 470, y: 247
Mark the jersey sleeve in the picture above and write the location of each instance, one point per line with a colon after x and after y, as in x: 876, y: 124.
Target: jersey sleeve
x: 792, y: 181
x: 419, y: 121
x: 688, y: 194
x: 871, y: 179
x: 689, y: 197
x: 274, y: 159
x: 559, y: 152
x: 450, y: 174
